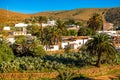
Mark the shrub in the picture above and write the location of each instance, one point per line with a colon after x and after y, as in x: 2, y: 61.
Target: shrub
x: 24, y: 46
x: 6, y: 53
x: 66, y: 75
x: 38, y: 51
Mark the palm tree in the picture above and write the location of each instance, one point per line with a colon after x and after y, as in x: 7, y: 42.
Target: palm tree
x: 83, y: 31
x: 20, y: 46
x: 52, y: 35
x: 101, y: 45
x: 95, y: 22
x: 61, y: 26
x: 55, y: 35
x: 41, y: 19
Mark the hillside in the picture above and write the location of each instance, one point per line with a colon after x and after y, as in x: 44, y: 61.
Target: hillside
x: 9, y: 17
x: 77, y: 14
x: 113, y: 16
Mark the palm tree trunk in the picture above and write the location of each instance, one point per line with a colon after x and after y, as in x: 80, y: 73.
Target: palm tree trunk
x: 98, y: 63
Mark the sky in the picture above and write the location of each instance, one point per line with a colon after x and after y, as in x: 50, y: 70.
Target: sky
x: 34, y: 6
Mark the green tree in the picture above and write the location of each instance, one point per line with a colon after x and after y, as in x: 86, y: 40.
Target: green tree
x: 71, y: 33
x: 61, y: 26
x: 42, y: 19
x: 35, y: 49
x: 55, y: 35
x: 51, y: 35
x: 83, y: 31
x: 79, y: 23
x: 70, y: 22
x: 34, y: 30
x: 24, y: 46
x: 95, y: 22
x: 101, y: 45
x: 6, y: 53
x: 20, y: 47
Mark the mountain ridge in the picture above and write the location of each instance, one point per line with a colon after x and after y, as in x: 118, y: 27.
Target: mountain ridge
x: 10, y: 17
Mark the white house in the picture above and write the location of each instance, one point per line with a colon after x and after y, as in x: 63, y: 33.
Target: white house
x: 53, y: 22
x: 20, y: 29
x: 72, y: 27
x: 111, y: 33
x: 74, y: 41
x: 6, y: 28
x: 21, y: 25
x: 49, y: 23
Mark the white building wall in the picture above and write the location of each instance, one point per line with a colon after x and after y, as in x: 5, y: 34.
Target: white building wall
x: 54, y: 48
x: 21, y: 25
x: 75, y: 44
x: 6, y: 28
x: 111, y: 33
x: 85, y: 40
x: 51, y: 22
x: 64, y: 44
x: 24, y: 30
x: 44, y: 25
x: 11, y: 40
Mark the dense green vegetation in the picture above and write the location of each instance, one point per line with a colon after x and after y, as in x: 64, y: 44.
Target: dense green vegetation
x: 101, y: 45
x: 27, y: 54
x: 83, y: 31
x: 95, y: 22
x: 24, y: 46
x: 6, y: 53
x: 49, y: 63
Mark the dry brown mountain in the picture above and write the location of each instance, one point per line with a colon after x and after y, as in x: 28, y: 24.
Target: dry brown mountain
x: 77, y: 14
x: 9, y: 17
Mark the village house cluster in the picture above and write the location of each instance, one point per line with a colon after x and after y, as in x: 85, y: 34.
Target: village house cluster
x: 75, y: 42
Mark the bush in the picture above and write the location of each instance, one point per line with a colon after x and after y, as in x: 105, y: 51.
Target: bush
x: 38, y: 51
x: 24, y: 46
x: 66, y: 75
x: 49, y: 63
x: 6, y: 53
